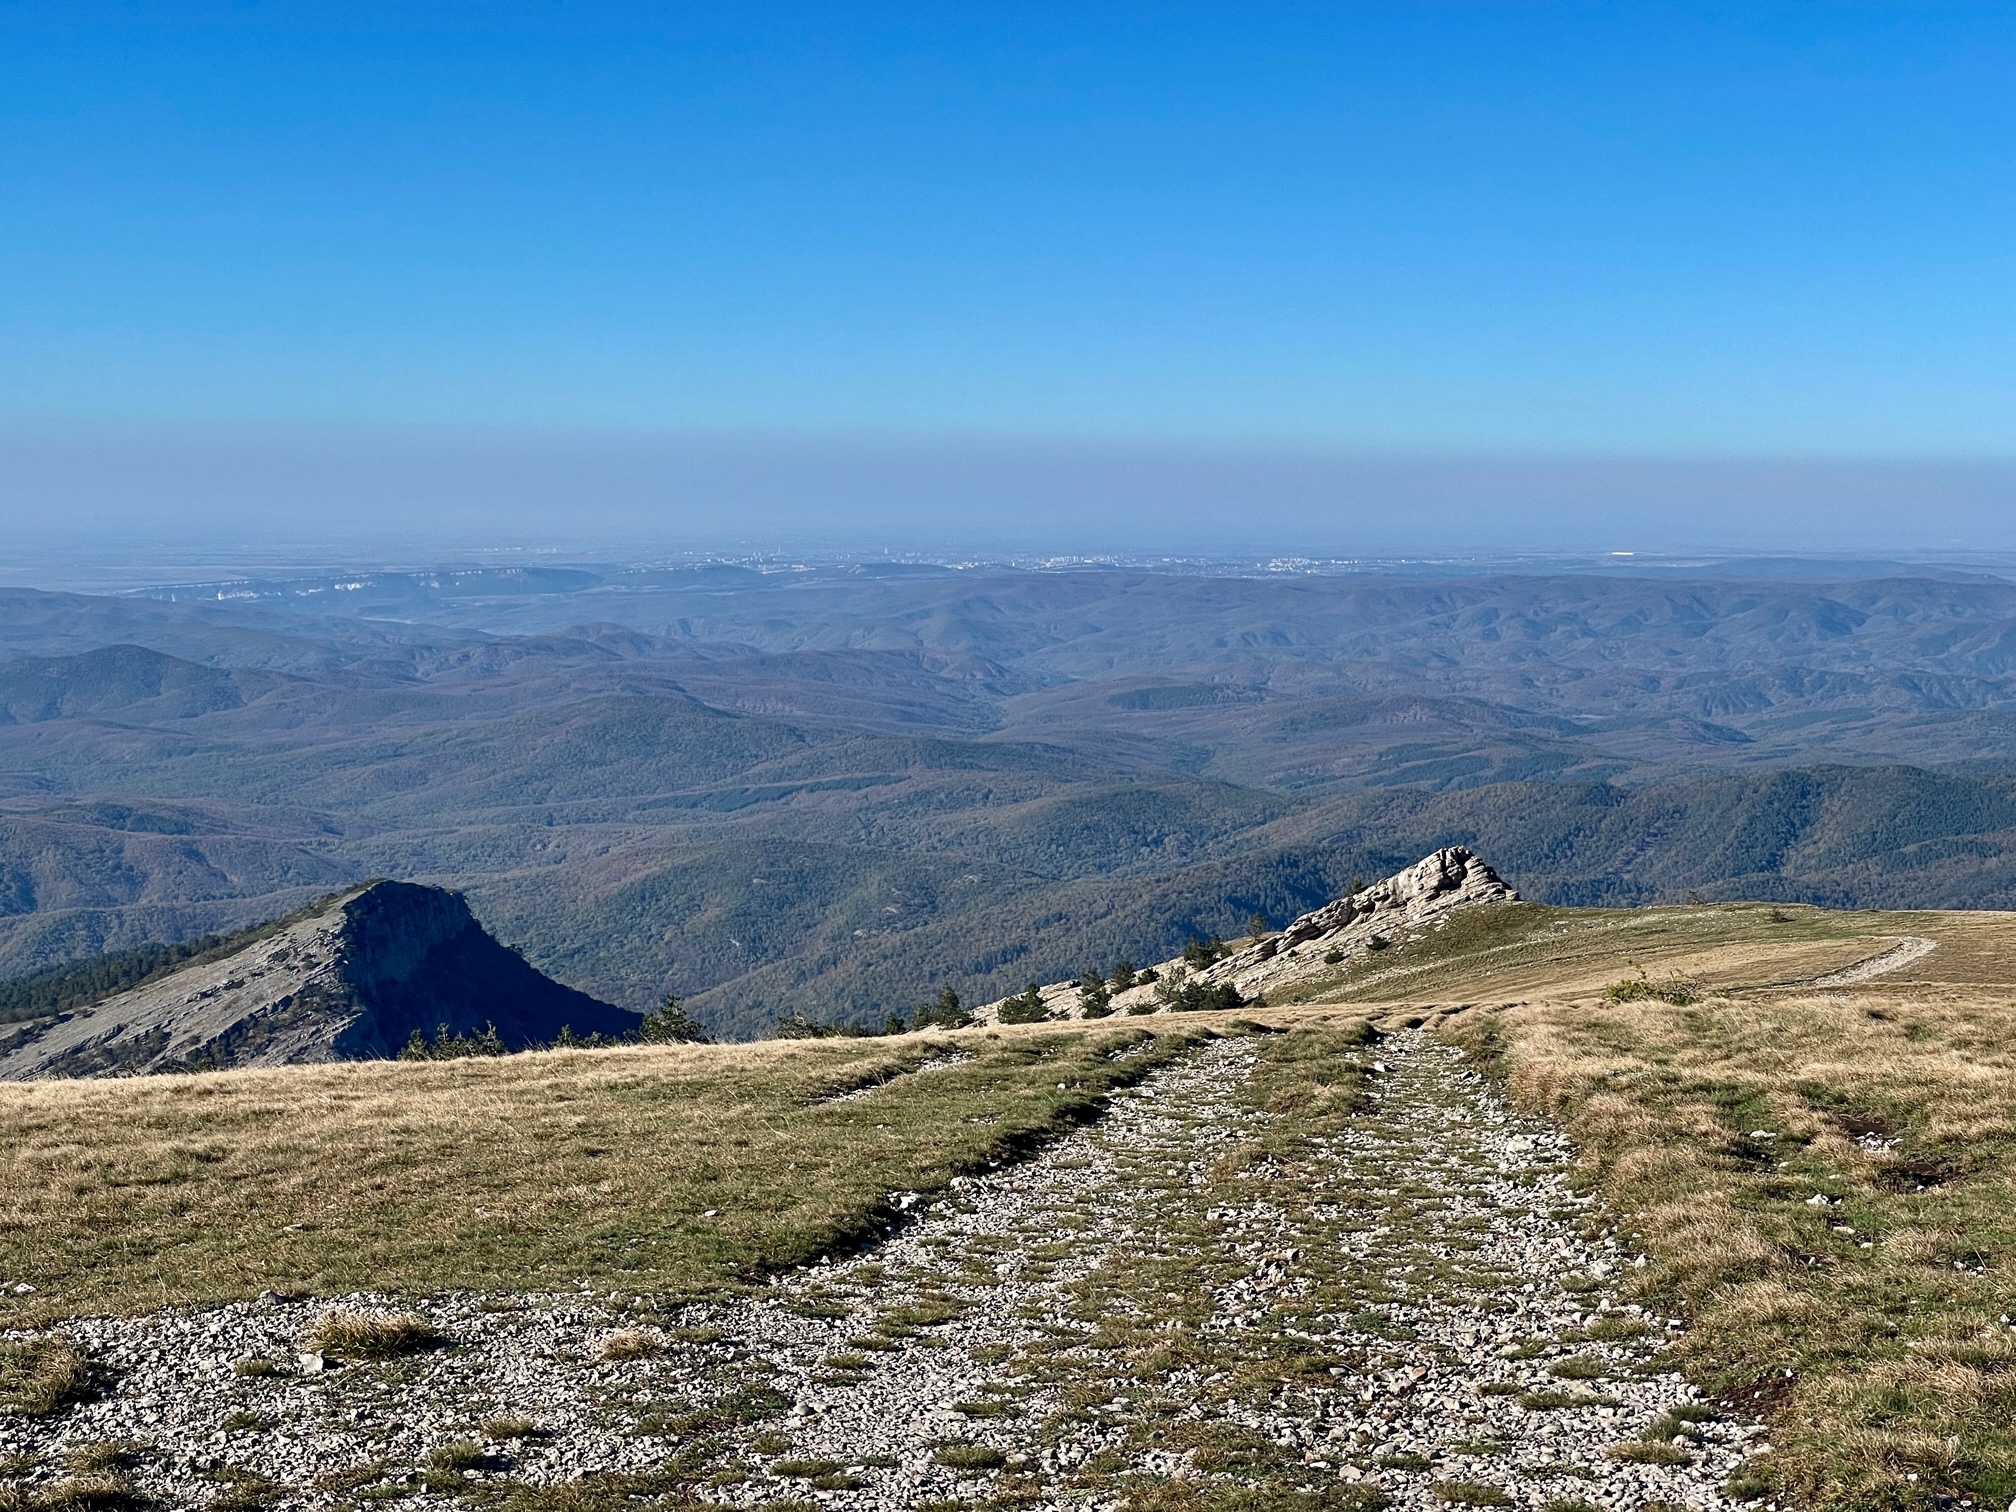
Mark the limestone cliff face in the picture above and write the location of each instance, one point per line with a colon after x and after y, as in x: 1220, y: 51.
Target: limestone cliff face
x: 1430, y: 889
x: 348, y: 980
x: 1325, y: 941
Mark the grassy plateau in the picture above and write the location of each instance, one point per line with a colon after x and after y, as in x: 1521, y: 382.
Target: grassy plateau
x: 1822, y: 1177
x: 674, y: 1169
x: 1819, y: 1171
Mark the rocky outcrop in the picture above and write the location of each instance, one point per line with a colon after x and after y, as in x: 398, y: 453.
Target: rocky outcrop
x: 1325, y: 941
x: 349, y: 979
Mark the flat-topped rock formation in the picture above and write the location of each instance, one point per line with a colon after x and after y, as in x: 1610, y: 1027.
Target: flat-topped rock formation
x: 349, y: 979
x: 1322, y: 942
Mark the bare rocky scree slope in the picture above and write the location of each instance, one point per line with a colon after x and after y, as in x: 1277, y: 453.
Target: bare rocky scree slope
x: 350, y: 979
x: 1321, y: 942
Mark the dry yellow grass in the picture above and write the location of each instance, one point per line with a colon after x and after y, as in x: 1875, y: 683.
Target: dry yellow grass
x: 1872, y: 1325
x: 1709, y: 1126
x: 1530, y: 950
x: 632, y: 1344
x: 371, y: 1336
x: 647, y: 1168
x: 41, y: 1376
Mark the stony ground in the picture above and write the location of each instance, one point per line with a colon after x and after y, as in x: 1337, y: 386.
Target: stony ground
x: 1222, y: 1295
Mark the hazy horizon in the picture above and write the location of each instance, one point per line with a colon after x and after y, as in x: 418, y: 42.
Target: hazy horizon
x: 1345, y: 280
x: 388, y: 492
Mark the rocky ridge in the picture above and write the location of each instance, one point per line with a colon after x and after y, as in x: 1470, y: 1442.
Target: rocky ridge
x: 348, y: 979
x: 1319, y: 943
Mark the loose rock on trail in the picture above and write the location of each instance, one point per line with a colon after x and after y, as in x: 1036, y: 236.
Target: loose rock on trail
x: 1407, y: 1307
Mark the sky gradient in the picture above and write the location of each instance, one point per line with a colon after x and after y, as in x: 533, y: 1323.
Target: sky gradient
x: 1545, y: 233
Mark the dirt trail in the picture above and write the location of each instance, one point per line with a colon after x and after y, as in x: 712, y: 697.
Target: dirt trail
x: 1410, y: 1308
x: 1907, y: 950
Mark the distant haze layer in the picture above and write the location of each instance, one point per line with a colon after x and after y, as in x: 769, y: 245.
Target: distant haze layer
x: 370, y: 487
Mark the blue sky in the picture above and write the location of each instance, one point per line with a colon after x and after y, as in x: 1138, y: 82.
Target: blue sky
x: 1561, y: 230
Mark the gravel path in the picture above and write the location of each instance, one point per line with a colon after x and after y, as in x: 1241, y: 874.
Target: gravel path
x: 1406, y: 1307
x: 1907, y: 950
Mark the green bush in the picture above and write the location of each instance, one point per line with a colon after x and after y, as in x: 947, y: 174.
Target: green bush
x: 1201, y: 953
x: 448, y: 1045
x: 1026, y: 1007
x: 1638, y: 989
x: 1196, y: 997
x: 670, y: 1024
x: 942, y: 1012
x: 1094, y: 996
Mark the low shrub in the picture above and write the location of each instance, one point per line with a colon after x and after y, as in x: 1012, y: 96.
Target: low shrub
x: 1196, y: 997
x: 1095, y: 998
x: 1676, y: 990
x: 632, y: 1344
x: 369, y: 1336
x: 457, y: 1456
x: 40, y: 1377
x: 942, y: 1012
x: 1026, y: 1007
x: 970, y: 1457
x: 448, y: 1045
x: 670, y: 1024
x: 1200, y: 953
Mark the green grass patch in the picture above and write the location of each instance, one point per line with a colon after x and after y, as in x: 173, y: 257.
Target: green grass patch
x: 971, y: 1458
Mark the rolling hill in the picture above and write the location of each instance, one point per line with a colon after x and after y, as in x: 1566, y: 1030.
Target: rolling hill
x: 835, y: 791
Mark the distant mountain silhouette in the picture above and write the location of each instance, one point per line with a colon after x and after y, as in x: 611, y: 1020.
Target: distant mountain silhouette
x: 350, y: 979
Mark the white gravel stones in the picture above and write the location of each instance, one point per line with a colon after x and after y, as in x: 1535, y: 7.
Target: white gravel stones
x: 1906, y: 952
x: 842, y: 1383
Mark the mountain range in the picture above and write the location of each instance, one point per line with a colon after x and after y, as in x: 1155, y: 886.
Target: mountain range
x: 834, y: 791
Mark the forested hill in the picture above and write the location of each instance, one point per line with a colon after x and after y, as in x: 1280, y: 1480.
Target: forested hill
x: 750, y: 918
x: 836, y: 793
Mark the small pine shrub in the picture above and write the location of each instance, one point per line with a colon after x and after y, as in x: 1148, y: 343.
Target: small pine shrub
x: 942, y: 1012
x: 797, y: 1026
x: 670, y: 1024
x: 1196, y: 997
x: 567, y: 1039
x: 1026, y: 1007
x: 448, y: 1045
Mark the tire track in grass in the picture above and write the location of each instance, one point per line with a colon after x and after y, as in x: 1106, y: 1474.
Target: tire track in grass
x: 1295, y: 1270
